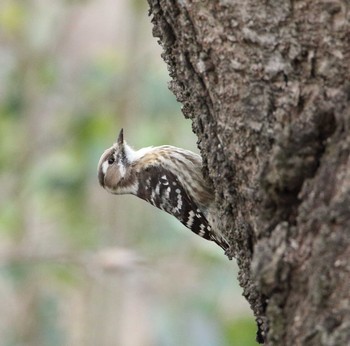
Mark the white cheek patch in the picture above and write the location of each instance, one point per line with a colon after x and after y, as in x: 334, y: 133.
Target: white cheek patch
x: 105, y: 167
x: 122, y: 170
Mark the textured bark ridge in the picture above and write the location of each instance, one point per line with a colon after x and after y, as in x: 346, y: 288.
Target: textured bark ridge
x: 267, y: 87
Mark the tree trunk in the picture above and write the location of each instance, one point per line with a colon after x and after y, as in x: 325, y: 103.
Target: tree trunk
x: 267, y: 87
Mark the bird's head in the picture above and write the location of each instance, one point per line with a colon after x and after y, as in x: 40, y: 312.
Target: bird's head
x: 113, y: 167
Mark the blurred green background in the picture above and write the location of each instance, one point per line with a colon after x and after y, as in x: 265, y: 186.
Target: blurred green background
x: 77, y: 265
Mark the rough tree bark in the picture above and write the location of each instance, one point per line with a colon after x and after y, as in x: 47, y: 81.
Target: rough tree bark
x: 267, y: 87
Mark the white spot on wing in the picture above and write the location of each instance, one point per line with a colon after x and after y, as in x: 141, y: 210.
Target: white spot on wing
x: 164, y: 180
x: 202, y: 230
x: 158, y: 188
x: 167, y: 193
x: 179, y: 202
x: 190, y: 219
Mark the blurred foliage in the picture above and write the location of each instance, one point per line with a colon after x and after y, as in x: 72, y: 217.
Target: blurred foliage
x: 78, y: 266
x: 12, y: 17
x: 243, y: 330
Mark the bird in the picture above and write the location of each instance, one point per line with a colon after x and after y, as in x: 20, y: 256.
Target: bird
x: 167, y: 177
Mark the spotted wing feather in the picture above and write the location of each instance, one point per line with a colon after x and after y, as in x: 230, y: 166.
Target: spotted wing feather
x: 162, y: 189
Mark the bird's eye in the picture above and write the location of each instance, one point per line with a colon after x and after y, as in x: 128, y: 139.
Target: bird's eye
x: 111, y: 160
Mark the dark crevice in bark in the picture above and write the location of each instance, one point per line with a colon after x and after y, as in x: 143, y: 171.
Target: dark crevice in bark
x: 296, y: 157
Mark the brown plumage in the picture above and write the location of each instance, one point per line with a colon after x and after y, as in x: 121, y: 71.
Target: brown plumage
x: 167, y: 177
